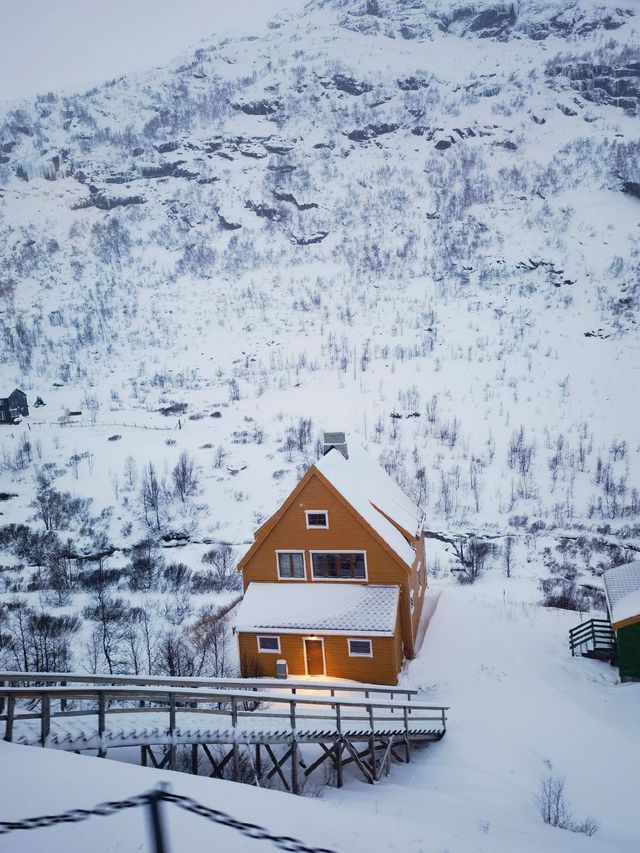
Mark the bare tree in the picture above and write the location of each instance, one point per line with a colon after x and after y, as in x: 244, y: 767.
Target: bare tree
x: 151, y: 495
x: 185, y: 477
x: 472, y: 555
x: 507, y: 553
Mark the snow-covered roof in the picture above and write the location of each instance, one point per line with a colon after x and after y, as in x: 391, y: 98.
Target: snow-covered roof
x: 371, y: 492
x: 342, y: 608
x: 622, y: 587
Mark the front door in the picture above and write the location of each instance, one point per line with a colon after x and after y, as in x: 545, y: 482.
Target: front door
x: 314, y: 654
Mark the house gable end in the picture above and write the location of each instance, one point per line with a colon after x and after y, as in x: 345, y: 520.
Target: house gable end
x: 287, y: 531
x: 267, y: 527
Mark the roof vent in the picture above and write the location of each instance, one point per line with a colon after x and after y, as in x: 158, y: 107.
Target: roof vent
x: 337, y: 440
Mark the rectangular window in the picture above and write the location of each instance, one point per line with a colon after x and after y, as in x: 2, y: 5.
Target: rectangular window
x: 290, y: 565
x: 349, y: 565
x: 269, y: 644
x: 360, y: 649
x: 317, y: 518
x: 419, y: 573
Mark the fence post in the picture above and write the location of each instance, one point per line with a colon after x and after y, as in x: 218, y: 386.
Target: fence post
x: 45, y: 719
x: 8, y: 732
x: 102, y: 709
x: 234, y: 747
x: 294, y: 748
x: 172, y: 726
x: 157, y: 829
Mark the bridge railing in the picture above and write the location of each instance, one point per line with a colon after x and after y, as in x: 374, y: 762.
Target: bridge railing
x: 231, y: 703
x: 254, y: 684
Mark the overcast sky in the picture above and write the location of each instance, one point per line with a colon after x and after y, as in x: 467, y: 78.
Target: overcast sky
x: 72, y: 44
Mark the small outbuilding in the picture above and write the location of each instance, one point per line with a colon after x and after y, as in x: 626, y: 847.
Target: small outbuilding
x: 622, y: 589
x: 14, y: 406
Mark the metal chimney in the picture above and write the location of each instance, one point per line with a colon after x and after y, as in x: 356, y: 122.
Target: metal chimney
x: 337, y: 440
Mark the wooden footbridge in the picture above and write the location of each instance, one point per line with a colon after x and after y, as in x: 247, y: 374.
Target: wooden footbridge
x: 248, y: 729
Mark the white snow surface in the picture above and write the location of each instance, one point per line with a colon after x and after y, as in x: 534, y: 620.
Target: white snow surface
x: 622, y: 586
x: 322, y: 606
x: 368, y: 488
x: 518, y: 703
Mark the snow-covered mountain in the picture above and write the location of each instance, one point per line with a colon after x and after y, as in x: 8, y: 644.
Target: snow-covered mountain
x: 416, y: 221
x: 373, y: 205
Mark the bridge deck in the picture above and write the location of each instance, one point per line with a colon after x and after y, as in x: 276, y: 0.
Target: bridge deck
x: 79, y: 731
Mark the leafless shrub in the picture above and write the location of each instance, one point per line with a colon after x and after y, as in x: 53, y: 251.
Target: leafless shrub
x: 554, y: 809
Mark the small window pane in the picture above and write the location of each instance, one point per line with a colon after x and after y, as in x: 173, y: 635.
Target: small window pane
x: 360, y: 647
x: 291, y: 565
x: 317, y: 519
x: 269, y: 644
x: 297, y: 565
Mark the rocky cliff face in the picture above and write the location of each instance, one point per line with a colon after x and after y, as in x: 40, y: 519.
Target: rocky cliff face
x: 616, y: 83
x: 533, y: 19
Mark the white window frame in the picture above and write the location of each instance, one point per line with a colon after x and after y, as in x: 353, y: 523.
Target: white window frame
x: 359, y: 640
x: 365, y: 579
x: 412, y: 601
x: 291, y: 551
x: 309, y: 512
x: 304, y: 655
x: 419, y: 574
x: 262, y: 651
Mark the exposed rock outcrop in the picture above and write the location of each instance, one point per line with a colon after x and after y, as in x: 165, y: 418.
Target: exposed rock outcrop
x: 617, y: 84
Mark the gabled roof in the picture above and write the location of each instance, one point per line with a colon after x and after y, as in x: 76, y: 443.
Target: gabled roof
x: 622, y: 588
x: 341, y: 608
x: 365, y: 483
x: 369, y: 492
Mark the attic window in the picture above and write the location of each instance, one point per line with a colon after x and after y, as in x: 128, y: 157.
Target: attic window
x: 317, y: 518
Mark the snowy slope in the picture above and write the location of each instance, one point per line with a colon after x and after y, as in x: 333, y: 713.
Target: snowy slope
x: 518, y: 701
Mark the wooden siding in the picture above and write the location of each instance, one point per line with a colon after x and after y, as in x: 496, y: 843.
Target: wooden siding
x: 346, y: 532
x: 381, y: 668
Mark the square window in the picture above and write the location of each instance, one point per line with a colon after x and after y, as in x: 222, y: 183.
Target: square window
x: 290, y: 565
x: 360, y: 649
x: 269, y: 644
x: 317, y: 518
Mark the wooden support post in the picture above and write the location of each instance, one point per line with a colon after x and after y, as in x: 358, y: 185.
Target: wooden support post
x: 194, y: 759
x: 294, y: 767
x: 339, y: 748
x: 2, y: 684
x: 258, y: 761
x: 63, y: 701
x: 143, y: 756
x: 102, y: 709
x: 294, y: 747
x: 172, y: 726
x: 11, y: 705
x: 372, y: 743
x: 407, y: 748
x: 236, y: 751
x: 45, y: 719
